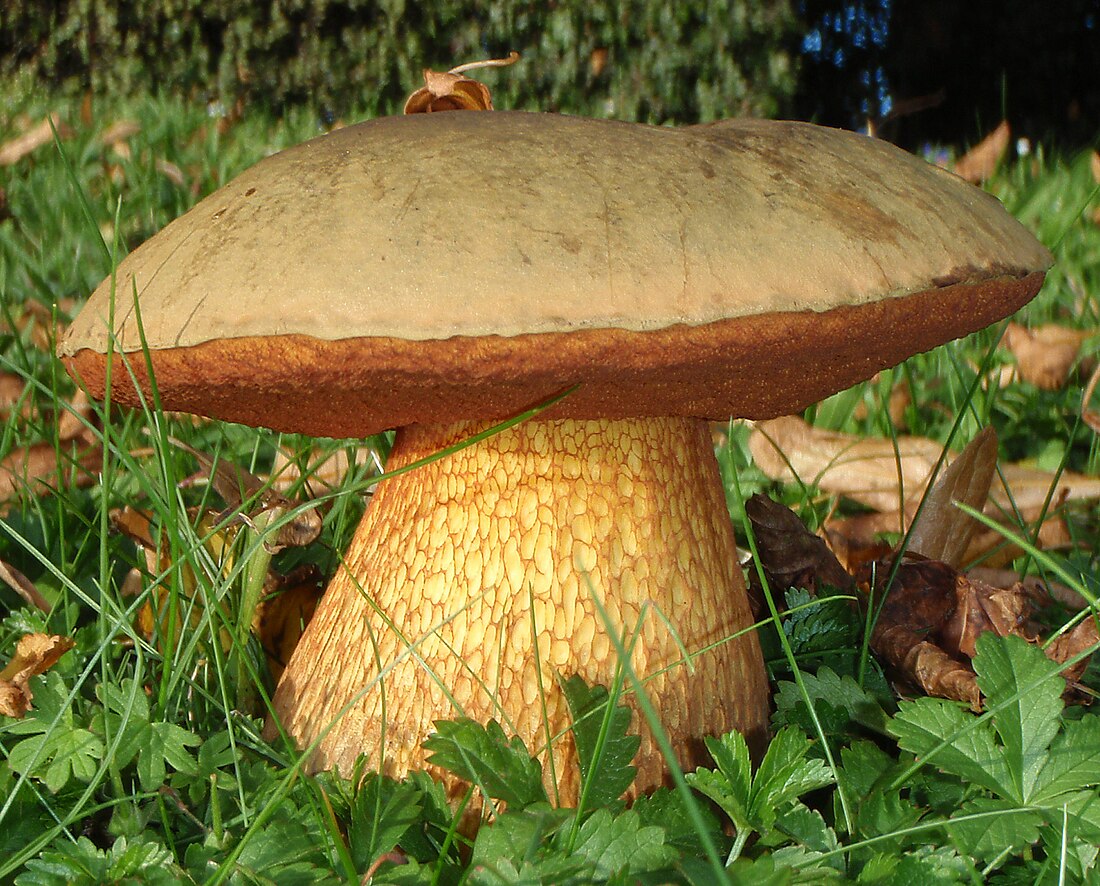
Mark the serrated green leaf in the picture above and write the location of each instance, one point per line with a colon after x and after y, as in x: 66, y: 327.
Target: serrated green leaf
x: 838, y: 702
x: 953, y: 740
x: 785, y: 774
x: 730, y: 785
x: 665, y: 808
x: 287, y: 850
x: 57, y: 756
x: 604, y: 748
x: 807, y: 827
x: 621, y: 844
x: 1006, y: 826
x: 1073, y: 761
x: 1023, y: 691
x: 486, y: 757
x: 513, y: 849
x: 383, y: 810
x: 125, y: 721
x: 82, y: 864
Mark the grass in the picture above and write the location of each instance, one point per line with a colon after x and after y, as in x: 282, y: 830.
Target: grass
x: 144, y: 760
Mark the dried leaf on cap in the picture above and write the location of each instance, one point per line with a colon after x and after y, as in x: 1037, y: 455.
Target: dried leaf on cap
x: 450, y: 91
x: 34, y: 654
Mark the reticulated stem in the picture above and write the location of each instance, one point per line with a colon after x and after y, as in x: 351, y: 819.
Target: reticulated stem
x: 470, y: 582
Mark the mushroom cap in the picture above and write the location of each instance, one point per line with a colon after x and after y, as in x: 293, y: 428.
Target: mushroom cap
x: 447, y: 267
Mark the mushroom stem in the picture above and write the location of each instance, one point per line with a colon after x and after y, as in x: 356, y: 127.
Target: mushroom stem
x: 471, y: 581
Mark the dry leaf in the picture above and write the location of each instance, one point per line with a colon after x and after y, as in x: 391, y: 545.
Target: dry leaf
x: 33, y: 469
x: 980, y: 607
x: 286, y: 608
x: 450, y: 91
x: 16, y: 149
x: 942, y: 531
x: 171, y: 172
x: 1094, y: 165
x: 36, y: 321
x: 866, y: 470
x: 34, y: 655
x: 23, y: 586
x: 12, y: 389
x: 980, y: 162
x: 119, y: 131
x: 1088, y: 416
x: 237, y: 486
x: 791, y: 555
x: 1083, y: 638
x: 899, y: 401
x: 326, y: 469
x: 1042, y: 592
x: 1045, y: 355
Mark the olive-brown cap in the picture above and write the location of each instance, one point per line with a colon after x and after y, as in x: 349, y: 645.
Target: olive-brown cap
x: 466, y: 266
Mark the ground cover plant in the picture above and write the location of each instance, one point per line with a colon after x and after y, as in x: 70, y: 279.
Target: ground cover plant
x: 140, y: 757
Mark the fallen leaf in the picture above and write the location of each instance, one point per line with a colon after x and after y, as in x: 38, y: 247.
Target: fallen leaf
x: 980, y: 162
x: 238, y: 487
x: 323, y: 468
x: 1094, y: 165
x: 1083, y: 638
x: 34, y: 654
x: 1088, y: 416
x: 287, y: 606
x: 1046, y: 354
x: 1037, y: 589
x: 171, y: 172
x: 16, y: 149
x: 980, y: 607
x: 942, y: 531
x: 790, y: 555
x: 450, y: 91
x: 34, y: 469
x: 12, y: 390
x: 868, y: 471
x: 23, y: 586
x: 119, y: 131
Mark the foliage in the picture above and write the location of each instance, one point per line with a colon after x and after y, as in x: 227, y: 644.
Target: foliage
x: 652, y: 61
x: 135, y: 764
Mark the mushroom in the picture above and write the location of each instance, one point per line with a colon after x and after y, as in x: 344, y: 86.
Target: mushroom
x: 439, y: 273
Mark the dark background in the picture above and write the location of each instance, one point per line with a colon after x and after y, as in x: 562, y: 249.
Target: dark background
x: 917, y: 71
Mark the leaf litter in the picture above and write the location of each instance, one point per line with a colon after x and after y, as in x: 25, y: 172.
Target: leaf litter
x: 927, y: 616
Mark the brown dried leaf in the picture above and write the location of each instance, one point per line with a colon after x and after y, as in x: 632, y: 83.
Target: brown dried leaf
x: 866, y: 469
x: 23, y: 586
x: 119, y: 131
x: 450, y: 91
x: 16, y: 149
x: 12, y: 388
x: 942, y: 531
x: 1082, y: 638
x: 1094, y: 165
x: 1039, y: 591
x: 171, y: 172
x: 1045, y: 355
x: 1088, y: 416
x: 34, y: 655
x: 33, y: 469
x: 325, y: 469
x: 980, y: 162
x: 790, y: 554
x: 237, y: 486
x: 286, y: 608
x: 980, y: 607
x: 927, y: 666
x: 36, y: 321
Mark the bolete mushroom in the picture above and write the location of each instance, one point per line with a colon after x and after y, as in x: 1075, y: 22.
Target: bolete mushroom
x: 438, y: 273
